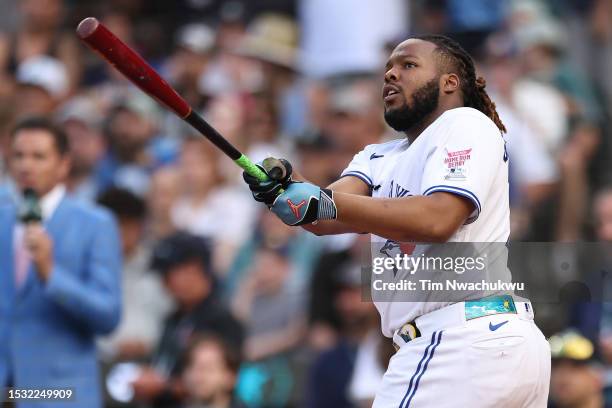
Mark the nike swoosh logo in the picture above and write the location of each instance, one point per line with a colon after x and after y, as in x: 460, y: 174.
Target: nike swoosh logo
x: 376, y: 156
x: 494, y: 327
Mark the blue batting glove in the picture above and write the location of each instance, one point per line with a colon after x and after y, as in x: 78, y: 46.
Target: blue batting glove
x: 304, y: 203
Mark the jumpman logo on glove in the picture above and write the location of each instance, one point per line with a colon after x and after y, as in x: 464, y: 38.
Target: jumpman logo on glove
x: 295, y: 208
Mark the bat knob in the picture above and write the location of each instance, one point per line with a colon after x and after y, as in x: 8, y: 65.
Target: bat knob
x: 277, y: 169
x: 87, y: 27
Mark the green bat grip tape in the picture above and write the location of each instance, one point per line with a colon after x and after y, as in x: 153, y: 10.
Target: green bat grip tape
x: 251, y: 168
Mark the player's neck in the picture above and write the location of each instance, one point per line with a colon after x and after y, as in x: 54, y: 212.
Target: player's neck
x: 419, y: 128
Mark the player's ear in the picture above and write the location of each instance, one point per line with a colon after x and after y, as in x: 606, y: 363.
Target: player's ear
x: 449, y: 83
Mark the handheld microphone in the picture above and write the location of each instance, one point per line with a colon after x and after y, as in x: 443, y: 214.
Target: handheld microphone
x: 30, y: 210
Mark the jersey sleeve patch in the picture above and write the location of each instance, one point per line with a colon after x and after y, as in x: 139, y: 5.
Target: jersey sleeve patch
x: 455, y: 164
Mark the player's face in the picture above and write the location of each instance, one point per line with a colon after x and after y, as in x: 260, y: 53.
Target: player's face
x: 411, y: 85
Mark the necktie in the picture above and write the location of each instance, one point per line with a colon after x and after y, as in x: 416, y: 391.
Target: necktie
x: 22, y: 259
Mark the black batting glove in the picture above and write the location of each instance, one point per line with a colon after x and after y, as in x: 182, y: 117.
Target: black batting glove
x: 279, y: 177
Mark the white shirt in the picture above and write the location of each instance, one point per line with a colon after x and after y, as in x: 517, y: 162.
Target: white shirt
x: 145, y: 305
x: 224, y: 215
x: 462, y: 152
x: 49, y: 202
x: 549, y: 124
x: 368, y: 372
x: 532, y: 163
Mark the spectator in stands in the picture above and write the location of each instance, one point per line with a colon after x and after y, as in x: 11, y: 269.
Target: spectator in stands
x: 302, y: 250
x: 164, y: 190
x: 346, y: 374
x: 354, y: 114
x: 576, y: 377
x: 42, y: 85
x: 209, y: 206
x: 39, y: 33
x: 534, y: 171
x: 603, y: 223
x: 211, y: 373
x: 60, y: 280
x: 81, y: 120
x: 184, y: 262
x: 145, y: 302
x: 270, y: 297
x: 271, y: 42
x: 339, y: 253
x: 188, y: 63
x: 318, y: 157
x: 273, y: 314
x: 134, y: 148
x: 541, y: 41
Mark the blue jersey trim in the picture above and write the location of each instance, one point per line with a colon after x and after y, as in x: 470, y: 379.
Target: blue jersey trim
x: 364, y: 177
x: 460, y: 192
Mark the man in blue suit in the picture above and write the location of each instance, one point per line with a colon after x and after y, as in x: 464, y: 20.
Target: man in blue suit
x: 59, y: 278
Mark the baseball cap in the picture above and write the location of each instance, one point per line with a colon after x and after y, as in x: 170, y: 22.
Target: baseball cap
x: 179, y: 248
x: 355, y: 98
x: 81, y: 109
x: 545, y: 32
x: 44, y: 72
x: 571, y: 345
x: 198, y: 38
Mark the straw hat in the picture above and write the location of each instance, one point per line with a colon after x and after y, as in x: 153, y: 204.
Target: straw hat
x: 272, y: 38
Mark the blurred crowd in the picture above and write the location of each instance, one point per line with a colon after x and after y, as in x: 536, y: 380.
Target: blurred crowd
x: 225, y: 306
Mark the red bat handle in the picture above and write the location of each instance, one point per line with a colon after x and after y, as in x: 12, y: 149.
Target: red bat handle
x: 130, y: 64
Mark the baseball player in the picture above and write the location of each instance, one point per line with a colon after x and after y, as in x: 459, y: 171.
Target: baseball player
x: 446, y: 181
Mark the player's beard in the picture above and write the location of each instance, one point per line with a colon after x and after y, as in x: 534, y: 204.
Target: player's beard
x: 424, y: 102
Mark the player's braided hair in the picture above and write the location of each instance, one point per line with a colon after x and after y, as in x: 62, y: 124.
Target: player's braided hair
x: 472, y: 87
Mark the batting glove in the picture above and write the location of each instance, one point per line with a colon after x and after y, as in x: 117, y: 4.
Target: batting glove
x: 279, y: 176
x: 304, y: 203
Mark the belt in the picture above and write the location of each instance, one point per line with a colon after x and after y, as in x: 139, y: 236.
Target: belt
x: 459, y: 313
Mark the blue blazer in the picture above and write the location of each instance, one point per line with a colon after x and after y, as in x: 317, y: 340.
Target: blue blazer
x: 47, y: 330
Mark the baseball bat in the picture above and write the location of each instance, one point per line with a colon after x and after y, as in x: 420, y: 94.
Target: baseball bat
x: 140, y: 73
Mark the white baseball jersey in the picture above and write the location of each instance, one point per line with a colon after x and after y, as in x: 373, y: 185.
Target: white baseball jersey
x: 462, y: 152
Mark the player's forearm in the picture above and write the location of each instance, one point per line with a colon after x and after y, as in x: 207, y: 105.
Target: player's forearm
x: 419, y: 218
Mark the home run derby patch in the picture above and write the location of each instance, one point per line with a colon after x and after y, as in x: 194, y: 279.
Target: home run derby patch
x: 455, y: 163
